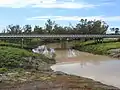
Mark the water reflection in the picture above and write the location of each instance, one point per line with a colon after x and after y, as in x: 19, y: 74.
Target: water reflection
x: 100, y: 68
x: 107, y: 72
x: 71, y: 53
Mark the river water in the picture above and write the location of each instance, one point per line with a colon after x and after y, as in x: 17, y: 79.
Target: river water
x: 96, y: 67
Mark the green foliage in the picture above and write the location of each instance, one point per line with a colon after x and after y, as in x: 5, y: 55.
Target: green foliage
x: 12, y: 58
x: 14, y: 45
x: 38, y: 30
x: 34, y: 42
x: 14, y: 29
x: 27, y: 29
x: 3, y: 70
x: 116, y: 30
x: 91, y: 27
x: 95, y: 48
x: 84, y: 26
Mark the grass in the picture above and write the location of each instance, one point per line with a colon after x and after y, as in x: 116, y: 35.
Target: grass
x: 100, y: 48
x: 11, y: 58
x: 14, y: 45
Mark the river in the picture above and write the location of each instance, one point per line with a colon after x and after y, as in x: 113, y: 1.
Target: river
x: 97, y: 67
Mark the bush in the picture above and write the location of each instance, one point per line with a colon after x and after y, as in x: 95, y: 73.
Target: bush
x: 13, y: 57
x: 19, y: 58
x: 100, y: 48
x: 3, y: 70
x: 14, y: 45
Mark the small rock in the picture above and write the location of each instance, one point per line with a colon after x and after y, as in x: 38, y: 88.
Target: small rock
x: 59, y: 73
x: 23, y: 79
x: 114, y: 51
x: 12, y: 73
x: 28, y: 72
x: 3, y: 77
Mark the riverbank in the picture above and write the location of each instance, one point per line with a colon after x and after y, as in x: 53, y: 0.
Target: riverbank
x: 49, y: 80
x: 109, y: 48
x: 35, y: 74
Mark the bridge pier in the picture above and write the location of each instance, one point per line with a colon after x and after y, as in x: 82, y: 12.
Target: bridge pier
x: 22, y: 43
x: 64, y: 43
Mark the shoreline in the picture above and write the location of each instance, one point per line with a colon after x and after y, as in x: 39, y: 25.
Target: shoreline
x: 61, y: 81
x: 64, y: 62
x: 49, y: 80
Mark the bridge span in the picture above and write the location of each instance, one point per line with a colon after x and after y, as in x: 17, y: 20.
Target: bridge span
x: 61, y: 36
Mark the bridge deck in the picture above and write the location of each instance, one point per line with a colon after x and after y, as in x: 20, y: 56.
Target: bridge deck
x: 59, y: 36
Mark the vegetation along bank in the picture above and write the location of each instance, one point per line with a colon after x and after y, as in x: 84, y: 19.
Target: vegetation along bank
x: 24, y: 70
x: 107, y: 47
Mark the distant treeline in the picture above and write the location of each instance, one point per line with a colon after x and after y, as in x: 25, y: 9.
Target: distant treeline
x: 82, y: 27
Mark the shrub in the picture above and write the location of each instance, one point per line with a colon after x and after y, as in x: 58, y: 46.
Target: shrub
x: 100, y: 48
x: 14, y: 45
x: 13, y: 57
x: 3, y: 70
x: 19, y: 58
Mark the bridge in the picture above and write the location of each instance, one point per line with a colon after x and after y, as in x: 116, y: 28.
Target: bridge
x: 61, y: 36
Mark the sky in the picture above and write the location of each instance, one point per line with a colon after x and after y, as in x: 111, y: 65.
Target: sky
x: 37, y: 12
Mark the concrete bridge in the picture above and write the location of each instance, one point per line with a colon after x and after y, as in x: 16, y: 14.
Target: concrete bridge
x: 61, y: 36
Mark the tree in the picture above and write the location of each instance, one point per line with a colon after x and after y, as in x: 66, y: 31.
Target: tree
x: 99, y: 27
x: 49, y: 26
x: 4, y: 31
x: 38, y: 30
x: 81, y: 27
x: 27, y: 29
x: 14, y: 29
x: 91, y: 27
x: 116, y: 30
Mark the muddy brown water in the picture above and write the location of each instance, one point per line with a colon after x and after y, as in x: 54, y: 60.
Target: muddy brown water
x: 96, y: 67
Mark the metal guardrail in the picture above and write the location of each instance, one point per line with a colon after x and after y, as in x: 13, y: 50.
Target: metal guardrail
x: 59, y: 36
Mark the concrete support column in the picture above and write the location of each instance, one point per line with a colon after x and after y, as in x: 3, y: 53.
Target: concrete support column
x: 67, y: 43
x: 22, y: 42
x: 63, y: 43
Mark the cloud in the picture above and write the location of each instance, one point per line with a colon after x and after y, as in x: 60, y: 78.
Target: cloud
x: 23, y: 3
x: 113, y: 18
x: 44, y: 4
x: 66, y: 5
x: 76, y: 18
x: 62, y: 18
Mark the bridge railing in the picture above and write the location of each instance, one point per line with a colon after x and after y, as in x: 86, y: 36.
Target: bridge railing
x: 61, y: 36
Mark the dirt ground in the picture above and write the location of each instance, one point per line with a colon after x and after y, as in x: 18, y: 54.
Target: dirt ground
x: 58, y: 81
